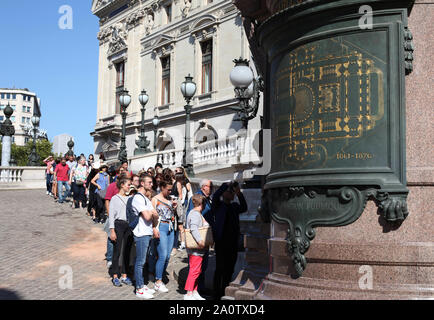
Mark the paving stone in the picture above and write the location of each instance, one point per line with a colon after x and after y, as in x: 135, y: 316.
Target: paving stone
x: 39, y: 237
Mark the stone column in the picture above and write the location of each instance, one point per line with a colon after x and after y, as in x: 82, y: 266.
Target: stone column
x: 7, y: 130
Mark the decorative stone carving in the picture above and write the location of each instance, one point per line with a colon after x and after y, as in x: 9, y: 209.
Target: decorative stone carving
x: 118, y: 40
x: 186, y: 8
x: 409, y: 49
x: 134, y: 18
x: 149, y: 22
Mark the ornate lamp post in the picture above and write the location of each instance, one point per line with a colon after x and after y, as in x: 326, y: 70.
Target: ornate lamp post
x: 156, y: 123
x: 124, y: 100
x: 188, y: 89
x: 34, y: 158
x: 143, y: 143
x: 247, y: 91
x: 7, y: 130
x: 70, y: 145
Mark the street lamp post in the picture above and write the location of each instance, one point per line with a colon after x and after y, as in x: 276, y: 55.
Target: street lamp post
x: 143, y: 143
x: 188, y: 89
x: 34, y: 158
x: 247, y: 91
x: 124, y: 100
x: 156, y: 123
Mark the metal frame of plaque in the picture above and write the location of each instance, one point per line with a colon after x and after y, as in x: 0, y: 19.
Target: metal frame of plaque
x: 336, y: 108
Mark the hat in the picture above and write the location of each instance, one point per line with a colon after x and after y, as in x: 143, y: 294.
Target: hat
x: 132, y: 188
x: 96, y: 165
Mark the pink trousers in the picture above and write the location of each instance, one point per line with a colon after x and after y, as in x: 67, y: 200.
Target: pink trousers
x: 194, y: 273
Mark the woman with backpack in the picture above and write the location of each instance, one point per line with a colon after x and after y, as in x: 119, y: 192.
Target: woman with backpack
x: 79, y: 175
x: 101, y: 181
x: 166, y: 209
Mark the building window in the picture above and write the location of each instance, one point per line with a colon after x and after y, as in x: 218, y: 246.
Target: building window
x: 168, y: 10
x: 13, y: 119
x: 14, y: 96
x: 26, y: 140
x: 14, y: 107
x: 13, y: 139
x: 23, y: 120
x: 24, y: 109
x: 8, y: 96
x: 206, y: 66
x: 120, y: 82
x: 165, y: 80
x: 2, y: 118
x: 28, y: 109
x: 2, y: 107
x: 2, y: 95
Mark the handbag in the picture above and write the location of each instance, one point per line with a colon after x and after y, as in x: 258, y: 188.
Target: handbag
x: 205, y: 233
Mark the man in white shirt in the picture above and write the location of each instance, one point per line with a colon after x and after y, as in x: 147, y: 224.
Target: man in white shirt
x: 143, y: 233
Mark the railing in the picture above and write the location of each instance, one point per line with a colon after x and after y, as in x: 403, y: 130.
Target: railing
x: 211, y: 155
x: 22, y: 178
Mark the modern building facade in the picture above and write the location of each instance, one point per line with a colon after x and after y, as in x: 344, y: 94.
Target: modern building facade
x: 153, y: 45
x: 25, y: 104
x: 60, y: 144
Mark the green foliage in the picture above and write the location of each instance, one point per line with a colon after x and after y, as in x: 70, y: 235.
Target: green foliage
x: 21, y: 153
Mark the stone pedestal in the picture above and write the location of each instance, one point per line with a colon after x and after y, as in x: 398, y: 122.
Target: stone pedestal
x: 372, y: 258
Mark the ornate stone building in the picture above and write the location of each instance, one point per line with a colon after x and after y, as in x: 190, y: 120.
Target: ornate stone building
x: 153, y: 45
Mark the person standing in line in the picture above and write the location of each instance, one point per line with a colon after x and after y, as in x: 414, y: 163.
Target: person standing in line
x: 158, y: 168
x: 54, y: 188
x: 143, y: 232
x: 62, y: 178
x: 101, y: 181
x: 79, y: 175
x: 90, y: 160
x: 112, y: 190
x: 226, y: 232
x: 91, y: 206
x: 206, y: 191
x: 183, y: 190
x: 101, y: 157
x: 49, y: 174
x: 166, y: 209
x: 135, y: 181
x: 120, y: 233
x: 71, y: 164
x: 195, y: 221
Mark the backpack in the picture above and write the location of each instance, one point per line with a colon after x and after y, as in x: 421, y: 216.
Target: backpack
x: 132, y: 218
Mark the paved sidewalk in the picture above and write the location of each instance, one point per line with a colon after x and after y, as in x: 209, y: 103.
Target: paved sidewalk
x: 41, y: 242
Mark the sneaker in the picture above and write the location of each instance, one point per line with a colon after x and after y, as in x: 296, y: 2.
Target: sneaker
x: 143, y: 294
x: 127, y: 281
x: 148, y: 290
x: 197, y: 296
x: 109, y: 264
x: 160, y: 287
x: 117, y: 282
x: 189, y: 297
x: 48, y: 193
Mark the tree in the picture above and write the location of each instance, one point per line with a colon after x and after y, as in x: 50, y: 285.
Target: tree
x: 21, y: 153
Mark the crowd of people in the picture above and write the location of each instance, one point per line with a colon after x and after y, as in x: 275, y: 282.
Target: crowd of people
x: 145, y: 216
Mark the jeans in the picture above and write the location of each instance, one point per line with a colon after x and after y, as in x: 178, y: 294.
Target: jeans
x: 226, y: 253
x: 79, y: 194
x: 164, y: 249
x: 109, y: 253
x: 201, y: 280
x: 142, y: 244
x: 62, y: 196
x: 152, y: 255
x: 49, y: 183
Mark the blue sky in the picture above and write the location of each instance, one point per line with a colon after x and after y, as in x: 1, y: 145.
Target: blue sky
x: 60, y: 66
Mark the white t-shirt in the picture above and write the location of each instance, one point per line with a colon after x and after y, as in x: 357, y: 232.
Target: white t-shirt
x: 142, y: 203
